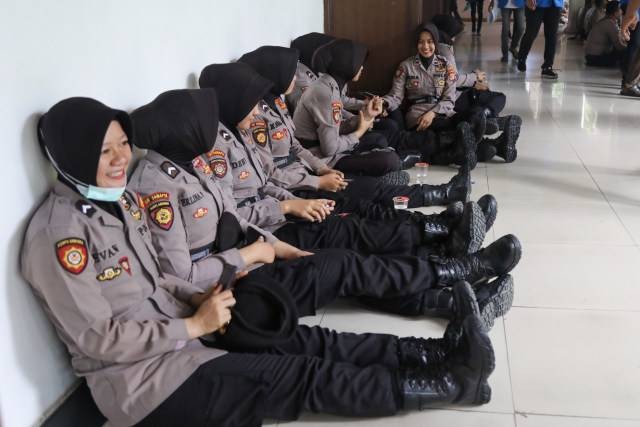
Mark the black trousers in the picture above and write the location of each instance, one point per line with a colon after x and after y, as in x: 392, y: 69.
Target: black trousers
x: 631, y: 60
x: 317, y: 371
x: 412, y: 141
x: 317, y: 280
x: 477, y: 7
x: 401, y: 237
x: 610, y: 59
x: 371, y: 157
x: 470, y: 100
x: 550, y: 16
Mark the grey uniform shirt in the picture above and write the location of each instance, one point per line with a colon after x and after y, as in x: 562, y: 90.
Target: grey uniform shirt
x: 241, y: 173
x: 603, y: 38
x: 320, y: 117
x: 413, y: 82
x: 465, y: 80
x: 287, y: 161
x: 120, y: 317
x: 184, y: 234
x: 305, y: 78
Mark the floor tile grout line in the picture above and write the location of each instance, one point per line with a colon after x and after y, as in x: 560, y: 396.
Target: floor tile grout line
x: 506, y: 343
x: 603, y: 310
x: 590, y: 417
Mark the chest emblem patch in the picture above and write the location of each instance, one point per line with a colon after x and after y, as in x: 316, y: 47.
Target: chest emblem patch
x: 109, y: 273
x: 124, y: 264
x: 72, y: 254
x: 281, y: 105
x: 336, y: 111
x: 244, y: 175
x: 200, y: 212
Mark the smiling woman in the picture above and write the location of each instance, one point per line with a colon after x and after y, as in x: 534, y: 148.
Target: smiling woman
x: 114, y: 158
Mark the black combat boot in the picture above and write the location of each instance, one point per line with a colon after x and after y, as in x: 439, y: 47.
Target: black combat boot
x: 485, y: 151
x: 497, y: 259
x: 489, y: 206
x: 457, y: 303
x: 478, y: 122
x: 494, y: 299
x: 457, y: 147
x: 506, y: 143
x: 395, y: 178
x: 457, y: 189
x: 461, y: 379
x: 459, y: 233
x: 492, y: 126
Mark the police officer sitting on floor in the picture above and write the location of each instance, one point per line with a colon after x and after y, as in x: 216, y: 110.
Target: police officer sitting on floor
x: 134, y: 332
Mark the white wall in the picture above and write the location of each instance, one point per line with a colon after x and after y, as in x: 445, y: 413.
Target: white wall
x: 123, y: 53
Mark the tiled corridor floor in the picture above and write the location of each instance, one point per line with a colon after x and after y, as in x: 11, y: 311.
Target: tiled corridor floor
x: 568, y: 352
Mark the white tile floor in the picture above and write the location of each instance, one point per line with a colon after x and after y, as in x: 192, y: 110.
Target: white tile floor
x: 568, y: 352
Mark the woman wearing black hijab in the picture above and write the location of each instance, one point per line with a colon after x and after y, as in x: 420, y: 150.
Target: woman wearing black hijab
x: 133, y: 331
x: 427, y: 82
x: 337, y: 136
x: 365, y: 196
x: 305, y: 75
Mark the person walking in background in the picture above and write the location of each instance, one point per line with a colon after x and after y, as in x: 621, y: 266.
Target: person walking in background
x: 631, y: 63
x: 476, y: 15
x: 508, y: 7
x: 536, y: 13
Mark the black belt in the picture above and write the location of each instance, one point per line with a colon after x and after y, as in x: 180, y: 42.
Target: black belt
x: 284, y: 161
x: 248, y: 201
x: 199, y: 253
x: 425, y: 100
x: 309, y: 143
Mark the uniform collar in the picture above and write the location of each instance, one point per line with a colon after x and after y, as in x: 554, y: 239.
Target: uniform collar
x: 158, y: 160
x: 329, y: 81
x: 86, y: 207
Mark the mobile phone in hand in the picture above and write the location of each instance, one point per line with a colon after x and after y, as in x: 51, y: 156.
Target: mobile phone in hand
x: 228, y: 276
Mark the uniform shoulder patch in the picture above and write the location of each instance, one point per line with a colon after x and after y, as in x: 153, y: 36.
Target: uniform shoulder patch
x: 452, y: 73
x: 225, y: 135
x: 264, y: 106
x: 400, y: 71
x: 161, y: 213
x: 170, y: 169
x: 72, y: 254
x: 336, y: 111
x: 310, y: 75
x: 85, y: 207
x: 259, y: 132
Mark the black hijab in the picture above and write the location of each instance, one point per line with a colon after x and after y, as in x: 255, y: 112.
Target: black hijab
x: 308, y: 44
x: 72, y: 133
x: 341, y: 59
x: 239, y: 89
x: 179, y: 124
x: 435, y: 34
x: 275, y: 63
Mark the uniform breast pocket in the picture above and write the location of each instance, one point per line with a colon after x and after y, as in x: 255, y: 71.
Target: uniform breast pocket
x: 116, y: 278
x: 412, y: 83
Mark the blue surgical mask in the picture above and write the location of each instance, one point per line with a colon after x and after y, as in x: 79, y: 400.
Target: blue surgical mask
x: 93, y: 192
x: 102, y: 194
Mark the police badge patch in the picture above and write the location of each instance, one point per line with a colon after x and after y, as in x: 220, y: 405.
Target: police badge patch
x: 72, y: 254
x: 219, y: 167
x: 161, y: 213
x: 259, y: 132
x: 336, y: 111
